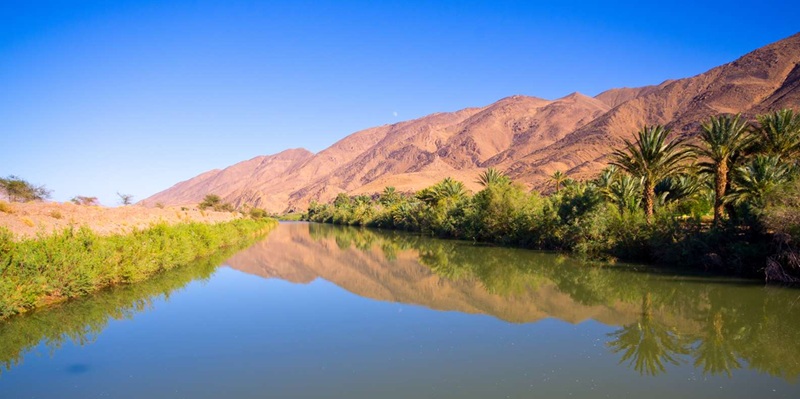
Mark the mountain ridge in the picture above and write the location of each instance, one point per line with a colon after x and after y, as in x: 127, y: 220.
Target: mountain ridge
x: 527, y: 137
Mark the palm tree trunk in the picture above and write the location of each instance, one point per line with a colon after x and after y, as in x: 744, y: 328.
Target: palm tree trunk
x: 720, y: 185
x: 649, y: 200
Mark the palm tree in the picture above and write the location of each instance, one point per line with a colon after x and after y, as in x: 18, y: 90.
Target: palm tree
x: 752, y: 182
x: 389, y: 196
x: 779, y: 134
x: 445, y: 190
x: 492, y: 177
x: 606, y: 178
x: 449, y: 189
x: 724, y: 138
x: 652, y: 158
x: 557, y: 178
x: 626, y: 192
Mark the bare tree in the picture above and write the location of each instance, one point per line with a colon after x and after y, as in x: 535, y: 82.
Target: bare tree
x: 125, y: 199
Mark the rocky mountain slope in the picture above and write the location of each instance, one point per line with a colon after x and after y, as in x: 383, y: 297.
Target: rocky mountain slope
x: 529, y: 138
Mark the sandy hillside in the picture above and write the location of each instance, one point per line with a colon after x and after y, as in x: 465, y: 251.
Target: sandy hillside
x: 526, y: 137
x: 32, y: 218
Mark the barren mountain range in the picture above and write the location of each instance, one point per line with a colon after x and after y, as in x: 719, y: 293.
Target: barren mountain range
x: 528, y: 138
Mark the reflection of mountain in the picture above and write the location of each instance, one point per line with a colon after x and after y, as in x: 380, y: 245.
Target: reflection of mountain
x: 290, y: 253
x: 715, y: 325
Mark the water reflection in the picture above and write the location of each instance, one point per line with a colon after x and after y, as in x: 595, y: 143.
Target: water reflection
x: 658, y: 321
x: 81, y: 320
x: 717, y: 325
x: 648, y: 345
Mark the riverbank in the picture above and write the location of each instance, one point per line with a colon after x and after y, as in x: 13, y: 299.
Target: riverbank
x: 580, y: 220
x: 78, y: 261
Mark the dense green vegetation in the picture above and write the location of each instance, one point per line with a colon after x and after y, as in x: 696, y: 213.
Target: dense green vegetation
x: 75, y: 262
x: 719, y: 326
x: 653, y: 203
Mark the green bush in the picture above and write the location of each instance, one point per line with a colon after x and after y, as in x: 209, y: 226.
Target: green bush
x: 214, y: 202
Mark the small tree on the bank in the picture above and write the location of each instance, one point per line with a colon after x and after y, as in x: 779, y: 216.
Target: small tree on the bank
x: 125, y: 199
x: 214, y: 202
x: 19, y: 190
x: 210, y: 201
x: 82, y: 200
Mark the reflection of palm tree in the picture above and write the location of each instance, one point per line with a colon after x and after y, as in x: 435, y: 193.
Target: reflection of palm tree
x: 715, y: 353
x: 647, y: 345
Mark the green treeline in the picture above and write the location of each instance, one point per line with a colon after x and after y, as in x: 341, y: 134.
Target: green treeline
x: 75, y: 262
x: 727, y: 202
x: 719, y: 325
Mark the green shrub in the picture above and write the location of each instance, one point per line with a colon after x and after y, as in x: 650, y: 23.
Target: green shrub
x: 214, y: 202
x: 258, y: 213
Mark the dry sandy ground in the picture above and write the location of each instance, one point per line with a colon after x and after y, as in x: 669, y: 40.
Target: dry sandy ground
x: 30, y: 219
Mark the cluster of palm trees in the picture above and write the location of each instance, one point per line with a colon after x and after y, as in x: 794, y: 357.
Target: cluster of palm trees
x: 733, y: 167
x: 742, y: 161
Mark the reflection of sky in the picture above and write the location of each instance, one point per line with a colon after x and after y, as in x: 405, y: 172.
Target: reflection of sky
x: 241, y: 336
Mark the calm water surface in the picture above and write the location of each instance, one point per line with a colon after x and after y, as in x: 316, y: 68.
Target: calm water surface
x: 317, y: 311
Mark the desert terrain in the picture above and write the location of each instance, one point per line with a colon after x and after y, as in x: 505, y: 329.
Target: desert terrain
x: 26, y: 220
x: 526, y: 137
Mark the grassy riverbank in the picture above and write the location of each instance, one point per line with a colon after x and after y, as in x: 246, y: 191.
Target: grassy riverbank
x: 81, y: 320
x: 75, y: 262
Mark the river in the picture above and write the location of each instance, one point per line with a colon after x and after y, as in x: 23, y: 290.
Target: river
x: 320, y: 311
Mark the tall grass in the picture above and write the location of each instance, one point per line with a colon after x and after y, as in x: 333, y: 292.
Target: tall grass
x: 75, y: 262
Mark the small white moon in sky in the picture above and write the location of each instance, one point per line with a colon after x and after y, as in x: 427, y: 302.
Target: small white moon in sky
x: 394, y: 113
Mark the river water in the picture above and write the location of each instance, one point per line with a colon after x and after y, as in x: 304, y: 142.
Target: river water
x: 319, y: 311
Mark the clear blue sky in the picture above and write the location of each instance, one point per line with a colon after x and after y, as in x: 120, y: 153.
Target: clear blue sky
x: 133, y: 96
